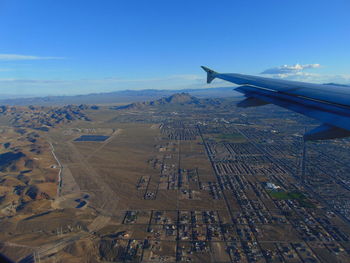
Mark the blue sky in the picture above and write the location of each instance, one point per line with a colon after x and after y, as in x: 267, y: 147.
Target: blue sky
x: 73, y: 47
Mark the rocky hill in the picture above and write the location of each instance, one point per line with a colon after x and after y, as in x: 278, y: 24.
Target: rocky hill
x: 42, y: 118
x: 177, y: 98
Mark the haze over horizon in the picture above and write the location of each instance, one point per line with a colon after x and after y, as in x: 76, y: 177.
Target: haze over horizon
x: 81, y: 47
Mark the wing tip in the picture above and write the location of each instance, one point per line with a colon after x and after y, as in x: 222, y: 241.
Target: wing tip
x: 211, y: 74
x: 326, y: 132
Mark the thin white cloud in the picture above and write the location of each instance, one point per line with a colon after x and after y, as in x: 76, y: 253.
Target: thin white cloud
x: 158, y: 82
x: 13, y: 57
x: 83, y: 86
x: 28, y: 81
x: 290, y: 69
x: 176, y: 78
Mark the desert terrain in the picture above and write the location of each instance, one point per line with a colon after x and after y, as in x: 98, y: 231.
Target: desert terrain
x: 179, y: 179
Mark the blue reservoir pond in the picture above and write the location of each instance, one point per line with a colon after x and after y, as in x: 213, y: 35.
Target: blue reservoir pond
x: 91, y: 138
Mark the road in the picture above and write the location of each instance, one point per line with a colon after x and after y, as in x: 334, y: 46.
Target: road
x: 59, y: 185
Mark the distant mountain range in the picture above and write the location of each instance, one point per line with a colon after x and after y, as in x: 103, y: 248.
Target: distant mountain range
x: 177, y: 98
x: 124, y: 96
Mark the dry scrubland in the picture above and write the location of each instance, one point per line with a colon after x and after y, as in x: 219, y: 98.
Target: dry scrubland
x: 103, y: 174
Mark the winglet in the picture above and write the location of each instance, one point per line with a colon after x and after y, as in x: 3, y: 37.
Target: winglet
x: 326, y: 132
x: 210, y: 74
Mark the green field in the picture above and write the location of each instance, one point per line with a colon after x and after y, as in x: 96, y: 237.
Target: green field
x: 300, y: 197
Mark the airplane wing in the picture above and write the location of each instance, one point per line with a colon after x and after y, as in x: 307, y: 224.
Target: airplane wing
x: 330, y: 104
